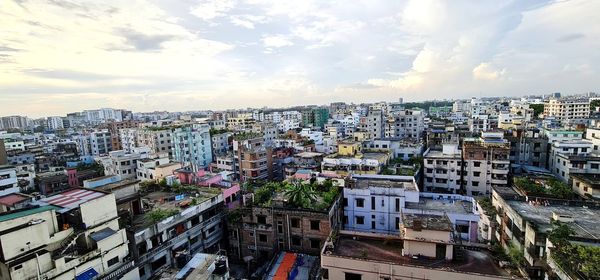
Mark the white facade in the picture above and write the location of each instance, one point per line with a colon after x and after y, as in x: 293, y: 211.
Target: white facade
x: 442, y: 169
x: 8, y: 180
x: 568, y: 110
x: 54, y: 123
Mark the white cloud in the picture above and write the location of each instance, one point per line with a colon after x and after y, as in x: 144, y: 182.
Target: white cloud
x: 485, y: 71
x: 247, y: 21
x: 210, y: 9
x: 276, y: 41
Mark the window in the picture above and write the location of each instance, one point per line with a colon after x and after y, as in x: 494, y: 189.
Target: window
x: 360, y: 202
x: 397, y: 222
x: 113, y: 261
x: 352, y: 276
x: 325, y: 273
x: 475, y: 184
x: 476, y: 163
x: 594, y: 166
x: 296, y: 241
x: 372, y: 203
x: 476, y: 174
x: 262, y: 237
x: 315, y: 225
x: 295, y: 223
x: 261, y: 219
x: 315, y: 244
x: 397, y: 205
x: 345, y: 202
x: 360, y: 220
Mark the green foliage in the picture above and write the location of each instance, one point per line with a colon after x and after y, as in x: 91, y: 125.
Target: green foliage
x: 99, y: 168
x: 573, y: 257
x: 555, y: 187
x: 537, y: 109
x: 301, y: 195
x: 159, y: 214
x: 234, y: 216
x: 516, y: 255
x: 486, y: 205
x: 163, y: 183
x: 426, y: 104
x: 388, y: 171
x: 560, y: 189
x: 594, y: 104
x: 214, y: 131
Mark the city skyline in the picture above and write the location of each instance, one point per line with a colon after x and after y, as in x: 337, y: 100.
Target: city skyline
x: 60, y: 57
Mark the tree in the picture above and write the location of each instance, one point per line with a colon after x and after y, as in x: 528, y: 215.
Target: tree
x: 537, y: 109
x: 560, y: 189
x: 300, y: 195
x: 594, y: 104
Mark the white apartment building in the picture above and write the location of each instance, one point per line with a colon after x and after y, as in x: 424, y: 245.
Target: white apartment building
x: 443, y: 169
x: 314, y: 135
x: 567, y: 155
x: 375, y: 204
x: 129, y: 138
x: 569, y: 111
x: 157, y: 138
x: 398, y: 147
x: 155, y: 168
x: 404, y: 124
x: 8, y: 180
x: 95, y: 143
x: 192, y: 145
x: 54, y: 123
x: 86, y: 243
x: 122, y: 163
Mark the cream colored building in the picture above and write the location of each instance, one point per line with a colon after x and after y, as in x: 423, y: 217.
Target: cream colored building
x: 71, y: 235
x: 572, y: 111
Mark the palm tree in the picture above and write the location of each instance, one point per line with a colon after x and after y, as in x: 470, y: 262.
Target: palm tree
x: 300, y: 195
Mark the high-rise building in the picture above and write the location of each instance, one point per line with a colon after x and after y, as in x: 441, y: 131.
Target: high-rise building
x: 54, y: 123
x: 192, y: 145
x: 570, y: 111
x: 486, y: 163
x: 254, y: 159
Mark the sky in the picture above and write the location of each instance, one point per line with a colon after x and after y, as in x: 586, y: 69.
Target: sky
x: 60, y: 56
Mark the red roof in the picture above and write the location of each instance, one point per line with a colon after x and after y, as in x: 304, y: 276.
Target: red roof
x: 12, y: 199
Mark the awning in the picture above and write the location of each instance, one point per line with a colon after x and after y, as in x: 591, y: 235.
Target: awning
x: 89, y: 274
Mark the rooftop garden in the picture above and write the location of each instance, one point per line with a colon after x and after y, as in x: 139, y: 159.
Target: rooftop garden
x: 246, y: 136
x: 575, y: 259
x: 215, y: 131
x: 486, y: 204
x: 550, y: 187
x: 297, y: 194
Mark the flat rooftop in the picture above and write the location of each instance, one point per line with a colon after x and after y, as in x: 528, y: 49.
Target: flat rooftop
x: 7, y: 216
x: 586, y: 224
x: 454, y: 206
x: 308, y: 154
x: 71, y: 199
x: 428, y: 222
x: 390, y: 250
x: 384, y: 181
x: 440, y: 154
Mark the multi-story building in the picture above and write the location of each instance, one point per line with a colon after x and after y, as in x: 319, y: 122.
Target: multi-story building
x: 157, y: 138
x: 8, y: 180
x: 122, y: 163
x: 524, y: 226
x: 399, y: 148
x: 115, y: 128
x: 568, y: 110
x: 71, y: 235
x: 425, y: 249
x: 264, y: 226
x: 95, y: 143
x: 15, y: 122
x: 3, y: 155
x: 485, y: 163
x: 316, y: 117
x: 404, y: 124
x: 586, y: 185
x: 189, y: 223
x: 443, y: 169
x: 155, y: 168
x: 192, y: 145
x: 373, y: 124
x: 54, y: 123
x: 128, y: 139
x: 220, y: 143
x: 254, y: 161
x: 528, y: 147
x: 572, y: 156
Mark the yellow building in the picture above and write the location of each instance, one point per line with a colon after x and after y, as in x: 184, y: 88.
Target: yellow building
x: 349, y: 149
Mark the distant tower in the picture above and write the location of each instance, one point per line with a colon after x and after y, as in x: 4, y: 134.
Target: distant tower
x: 556, y: 95
x: 401, y: 100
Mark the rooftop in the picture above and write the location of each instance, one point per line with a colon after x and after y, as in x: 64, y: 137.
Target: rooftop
x: 390, y: 251
x: 440, y: 154
x: 592, y: 179
x: 384, y: 181
x: 7, y: 216
x: 586, y: 224
x: 447, y: 205
x: 71, y: 199
x: 428, y: 222
x: 12, y: 199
